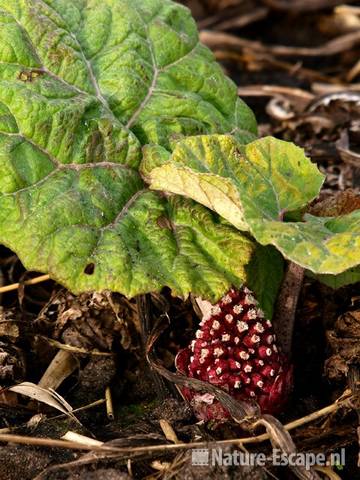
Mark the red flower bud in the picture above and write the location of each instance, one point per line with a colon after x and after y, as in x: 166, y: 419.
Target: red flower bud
x: 235, y: 349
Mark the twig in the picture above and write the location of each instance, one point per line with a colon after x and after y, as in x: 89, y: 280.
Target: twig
x: 281, y: 438
x: 70, y: 348
x: 295, y: 69
x: 109, y: 403
x: 80, y: 409
x: 49, y: 442
x: 32, y: 281
x: 296, y: 95
x: 340, y: 44
x: 241, y: 21
x: 345, y: 398
x: 56, y: 417
x: 302, y: 5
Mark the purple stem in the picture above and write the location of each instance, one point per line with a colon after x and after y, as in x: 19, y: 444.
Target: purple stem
x: 285, y: 310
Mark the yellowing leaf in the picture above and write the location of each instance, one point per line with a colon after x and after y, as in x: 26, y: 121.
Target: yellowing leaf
x: 322, y: 245
x: 253, y: 186
x: 243, y: 183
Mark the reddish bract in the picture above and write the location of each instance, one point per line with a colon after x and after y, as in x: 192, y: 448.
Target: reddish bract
x: 235, y: 349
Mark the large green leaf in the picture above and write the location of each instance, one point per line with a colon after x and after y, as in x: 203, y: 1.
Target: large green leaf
x: 253, y: 186
x: 83, y: 85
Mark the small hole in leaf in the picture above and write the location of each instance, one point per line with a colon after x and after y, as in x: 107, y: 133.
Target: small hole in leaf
x: 89, y: 269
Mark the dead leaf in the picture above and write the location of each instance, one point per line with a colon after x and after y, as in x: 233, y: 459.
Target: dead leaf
x: 49, y: 397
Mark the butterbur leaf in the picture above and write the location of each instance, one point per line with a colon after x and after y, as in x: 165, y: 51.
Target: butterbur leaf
x: 253, y: 186
x: 77, y: 102
x: 98, y: 228
x: 321, y: 244
x: 244, y: 183
x: 337, y: 281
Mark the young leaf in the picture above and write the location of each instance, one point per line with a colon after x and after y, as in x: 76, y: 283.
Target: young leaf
x: 321, y: 244
x: 253, y: 186
x: 77, y: 102
x: 337, y: 281
x: 265, y: 273
x: 244, y: 183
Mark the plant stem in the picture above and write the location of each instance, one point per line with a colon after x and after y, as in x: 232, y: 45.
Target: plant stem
x: 146, y: 322
x: 285, y: 310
